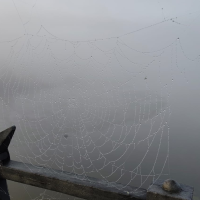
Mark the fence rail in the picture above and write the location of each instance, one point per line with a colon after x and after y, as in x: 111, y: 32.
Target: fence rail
x: 77, y: 185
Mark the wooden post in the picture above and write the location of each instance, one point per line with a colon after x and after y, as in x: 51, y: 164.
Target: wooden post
x: 4, y: 194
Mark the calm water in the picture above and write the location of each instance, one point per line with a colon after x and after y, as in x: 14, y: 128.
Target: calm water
x: 183, y: 142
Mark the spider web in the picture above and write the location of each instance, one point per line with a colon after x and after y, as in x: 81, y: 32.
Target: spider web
x: 97, y: 108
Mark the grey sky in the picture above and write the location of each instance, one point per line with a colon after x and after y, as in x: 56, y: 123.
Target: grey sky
x: 85, y: 19
x: 90, y: 20
x: 78, y: 60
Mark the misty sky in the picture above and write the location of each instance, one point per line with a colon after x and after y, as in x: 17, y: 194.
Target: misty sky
x: 80, y: 20
x: 92, y: 56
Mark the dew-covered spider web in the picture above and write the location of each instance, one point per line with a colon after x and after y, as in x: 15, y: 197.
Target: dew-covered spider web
x: 96, y: 107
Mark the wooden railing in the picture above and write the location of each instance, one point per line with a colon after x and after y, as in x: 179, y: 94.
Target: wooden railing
x: 76, y: 185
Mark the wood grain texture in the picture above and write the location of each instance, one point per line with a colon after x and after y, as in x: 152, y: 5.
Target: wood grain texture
x: 68, y: 183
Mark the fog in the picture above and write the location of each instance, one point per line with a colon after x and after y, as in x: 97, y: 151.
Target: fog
x: 108, y: 89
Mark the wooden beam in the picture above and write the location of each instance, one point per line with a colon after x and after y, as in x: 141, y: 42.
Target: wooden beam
x: 68, y: 183
x: 77, y: 185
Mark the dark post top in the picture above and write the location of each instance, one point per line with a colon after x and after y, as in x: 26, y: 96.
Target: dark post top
x: 5, y: 138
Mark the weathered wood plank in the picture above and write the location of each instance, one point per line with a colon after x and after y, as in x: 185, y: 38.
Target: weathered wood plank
x: 67, y: 183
